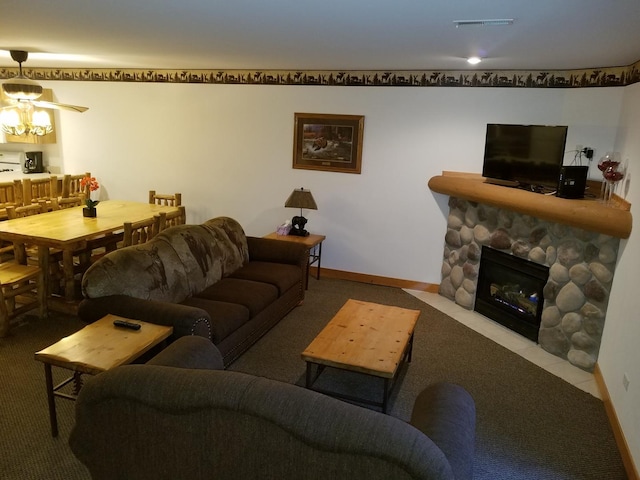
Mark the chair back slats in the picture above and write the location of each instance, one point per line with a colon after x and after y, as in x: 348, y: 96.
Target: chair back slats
x: 170, y: 200
x: 36, y: 189
x: 11, y: 193
x: 71, y: 186
x: 136, y: 233
x: 171, y: 219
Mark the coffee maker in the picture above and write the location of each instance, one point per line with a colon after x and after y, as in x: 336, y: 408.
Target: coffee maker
x: 33, y: 162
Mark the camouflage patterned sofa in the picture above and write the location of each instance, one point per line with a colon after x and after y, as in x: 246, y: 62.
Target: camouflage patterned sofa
x: 209, y: 280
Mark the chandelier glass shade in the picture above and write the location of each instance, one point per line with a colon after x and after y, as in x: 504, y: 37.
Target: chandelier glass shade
x: 24, y: 119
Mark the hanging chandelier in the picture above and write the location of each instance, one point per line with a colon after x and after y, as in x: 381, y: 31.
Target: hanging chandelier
x: 25, y: 119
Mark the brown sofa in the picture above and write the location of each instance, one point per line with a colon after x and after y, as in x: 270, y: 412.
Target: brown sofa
x: 181, y: 416
x: 209, y: 280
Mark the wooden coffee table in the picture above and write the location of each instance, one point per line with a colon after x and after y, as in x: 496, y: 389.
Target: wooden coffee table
x: 364, y: 337
x: 98, y: 347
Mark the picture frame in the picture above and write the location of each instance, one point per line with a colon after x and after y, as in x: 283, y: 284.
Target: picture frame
x: 328, y: 142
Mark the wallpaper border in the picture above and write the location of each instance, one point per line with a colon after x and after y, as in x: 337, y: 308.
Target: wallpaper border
x: 592, y: 77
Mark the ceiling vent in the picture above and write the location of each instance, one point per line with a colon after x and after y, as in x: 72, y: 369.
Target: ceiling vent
x: 497, y: 22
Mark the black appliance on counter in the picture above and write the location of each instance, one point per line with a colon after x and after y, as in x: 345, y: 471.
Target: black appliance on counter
x: 33, y: 162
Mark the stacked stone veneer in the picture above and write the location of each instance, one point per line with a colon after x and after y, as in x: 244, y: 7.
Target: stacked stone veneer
x: 581, y: 266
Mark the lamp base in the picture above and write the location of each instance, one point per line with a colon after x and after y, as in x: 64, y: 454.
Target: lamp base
x: 297, y: 227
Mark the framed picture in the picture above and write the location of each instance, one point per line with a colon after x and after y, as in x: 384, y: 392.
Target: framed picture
x: 332, y: 143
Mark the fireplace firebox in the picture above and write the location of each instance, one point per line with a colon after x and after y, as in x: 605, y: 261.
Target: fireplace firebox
x: 510, y: 291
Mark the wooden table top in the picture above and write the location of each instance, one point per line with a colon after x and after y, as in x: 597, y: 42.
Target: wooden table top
x: 310, y: 240
x: 62, y: 227
x: 101, y: 346
x: 364, y: 337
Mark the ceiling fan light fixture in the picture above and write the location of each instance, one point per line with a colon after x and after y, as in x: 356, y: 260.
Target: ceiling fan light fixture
x: 474, y: 60
x: 25, y: 120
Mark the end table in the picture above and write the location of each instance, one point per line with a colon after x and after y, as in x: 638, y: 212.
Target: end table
x: 313, y: 244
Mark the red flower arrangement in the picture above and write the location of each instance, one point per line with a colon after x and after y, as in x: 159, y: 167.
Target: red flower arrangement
x: 93, y: 185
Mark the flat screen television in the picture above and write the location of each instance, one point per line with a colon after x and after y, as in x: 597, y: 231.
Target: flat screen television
x: 527, y: 156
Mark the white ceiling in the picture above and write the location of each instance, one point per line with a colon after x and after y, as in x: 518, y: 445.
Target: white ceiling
x: 322, y: 35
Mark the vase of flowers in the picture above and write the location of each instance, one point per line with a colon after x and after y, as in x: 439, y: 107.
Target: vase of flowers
x: 91, y: 184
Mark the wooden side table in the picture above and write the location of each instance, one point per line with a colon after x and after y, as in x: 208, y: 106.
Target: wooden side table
x: 313, y: 244
x: 98, y: 347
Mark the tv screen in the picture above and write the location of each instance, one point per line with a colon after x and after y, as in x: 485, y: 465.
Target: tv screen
x: 525, y: 155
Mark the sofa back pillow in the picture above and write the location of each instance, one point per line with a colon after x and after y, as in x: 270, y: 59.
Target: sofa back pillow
x: 202, y: 252
x: 236, y: 242
x: 151, y: 271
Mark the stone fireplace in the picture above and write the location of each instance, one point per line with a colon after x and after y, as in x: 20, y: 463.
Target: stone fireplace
x: 581, y: 265
x: 510, y: 290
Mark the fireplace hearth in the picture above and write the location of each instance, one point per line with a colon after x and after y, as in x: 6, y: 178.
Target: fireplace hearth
x: 511, y: 291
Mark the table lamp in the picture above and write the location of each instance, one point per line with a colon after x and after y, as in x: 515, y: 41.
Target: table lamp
x: 300, y: 199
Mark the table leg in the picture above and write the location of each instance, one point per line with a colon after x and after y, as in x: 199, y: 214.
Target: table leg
x: 67, y: 271
x: 319, y: 261
x: 51, y: 400
x: 43, y: 262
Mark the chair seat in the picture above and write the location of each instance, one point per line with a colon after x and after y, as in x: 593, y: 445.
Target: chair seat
x: 20, y: 291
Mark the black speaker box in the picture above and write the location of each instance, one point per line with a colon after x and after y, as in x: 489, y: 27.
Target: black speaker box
x: 572, y: 181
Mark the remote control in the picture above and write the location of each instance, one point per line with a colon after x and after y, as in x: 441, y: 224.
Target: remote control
x: 125, y: 324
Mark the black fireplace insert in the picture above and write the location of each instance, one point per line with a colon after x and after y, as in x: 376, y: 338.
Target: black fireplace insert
x: 510, y: 291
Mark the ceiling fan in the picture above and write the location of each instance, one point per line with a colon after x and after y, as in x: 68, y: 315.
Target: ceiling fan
x: 21, y: 90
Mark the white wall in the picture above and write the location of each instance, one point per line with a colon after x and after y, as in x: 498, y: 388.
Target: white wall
x: 619, y: 352
x: 228, y: 149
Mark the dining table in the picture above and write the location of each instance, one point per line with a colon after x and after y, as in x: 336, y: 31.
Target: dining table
x: 67, y: 230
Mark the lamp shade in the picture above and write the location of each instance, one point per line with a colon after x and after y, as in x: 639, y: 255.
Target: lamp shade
x: 301, y: 199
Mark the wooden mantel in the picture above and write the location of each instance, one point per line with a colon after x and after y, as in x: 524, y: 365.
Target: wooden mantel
x: 588, y: 214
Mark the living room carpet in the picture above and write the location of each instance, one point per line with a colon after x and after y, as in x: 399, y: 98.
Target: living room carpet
x: 530, y: 424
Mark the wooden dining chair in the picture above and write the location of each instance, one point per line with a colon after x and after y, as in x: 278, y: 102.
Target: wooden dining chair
x: 36, y: 189
x: 140, y: 232
x: 171, y: 200
x: 72, y: 187
x: 30, y: 252
x: 171, y: 219
x: 21, y: 290
x: 10, y: 195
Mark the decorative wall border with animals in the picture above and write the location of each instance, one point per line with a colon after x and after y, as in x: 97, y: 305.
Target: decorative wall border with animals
x: 593, y: 77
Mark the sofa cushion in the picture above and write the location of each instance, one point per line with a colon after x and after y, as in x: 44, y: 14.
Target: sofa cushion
x: 226, y: 317
x: 253, y: 295
x: 282, y: 276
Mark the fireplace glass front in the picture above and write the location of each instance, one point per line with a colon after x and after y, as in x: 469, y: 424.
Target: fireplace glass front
x: 510, y: 291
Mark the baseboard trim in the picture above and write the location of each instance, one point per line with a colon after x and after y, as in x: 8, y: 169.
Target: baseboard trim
x: 621, y: 441
x: 375, y: 280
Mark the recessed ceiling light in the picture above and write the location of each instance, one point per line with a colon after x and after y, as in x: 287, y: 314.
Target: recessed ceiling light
x: 474, y: 60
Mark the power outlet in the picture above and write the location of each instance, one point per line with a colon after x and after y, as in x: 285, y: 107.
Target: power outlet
x: 625, y: 381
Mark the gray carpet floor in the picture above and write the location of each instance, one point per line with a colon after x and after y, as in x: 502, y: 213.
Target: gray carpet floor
x: 530, y: 424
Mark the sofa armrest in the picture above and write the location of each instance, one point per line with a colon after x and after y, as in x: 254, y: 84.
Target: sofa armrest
x: 277, y: 251
x: 446, y: 413
x: 190, y: 352
x: 184, y: 319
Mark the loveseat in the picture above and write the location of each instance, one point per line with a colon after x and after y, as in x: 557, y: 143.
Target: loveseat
x: 180, y: 416
x: 209, y: 280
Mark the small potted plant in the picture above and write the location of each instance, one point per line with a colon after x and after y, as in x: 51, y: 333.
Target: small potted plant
x: 92, y: 185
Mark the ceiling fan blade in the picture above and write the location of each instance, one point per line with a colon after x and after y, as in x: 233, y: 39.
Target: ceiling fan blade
x: 59, y: 106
